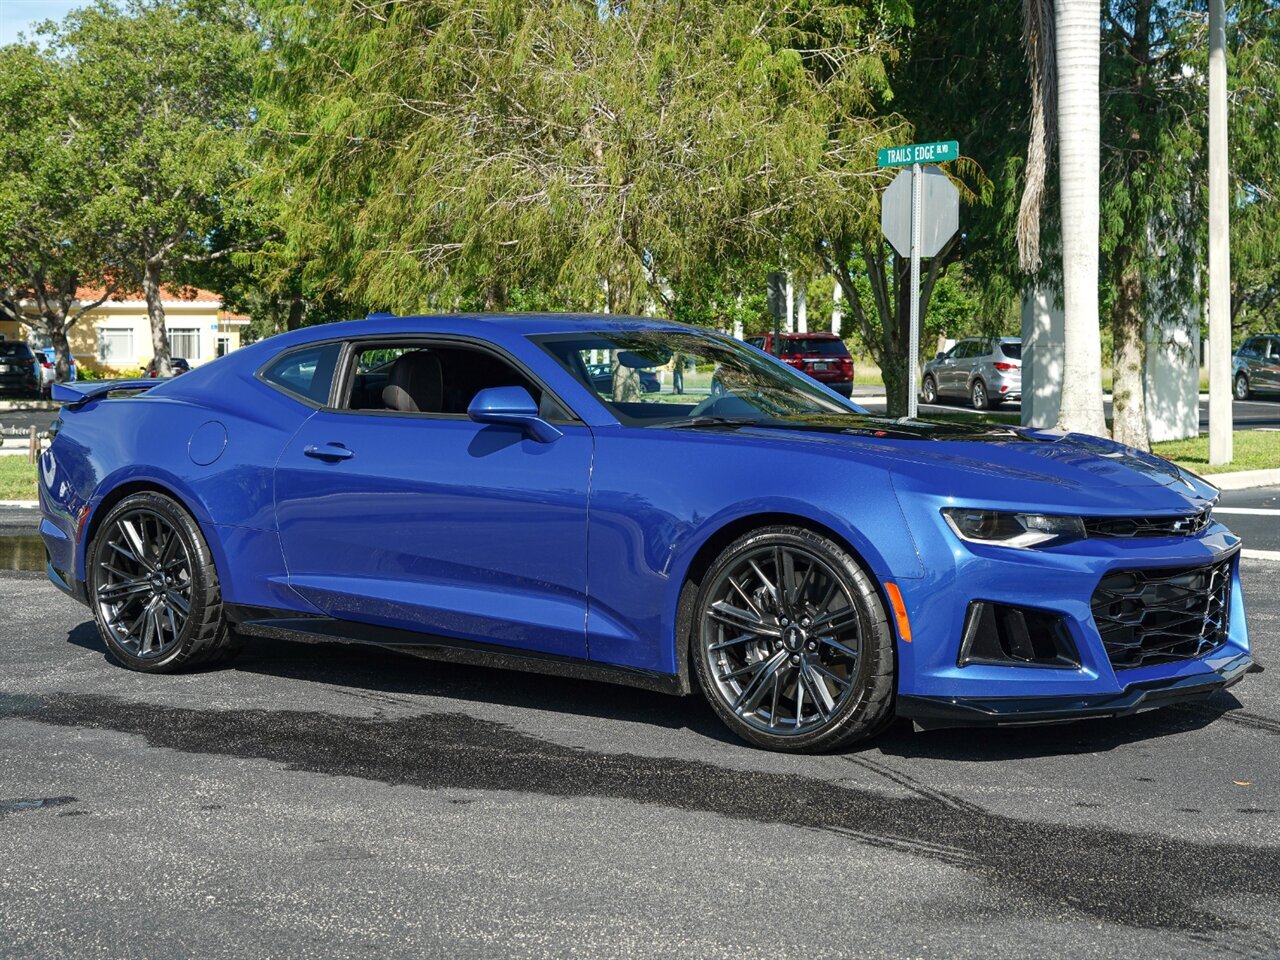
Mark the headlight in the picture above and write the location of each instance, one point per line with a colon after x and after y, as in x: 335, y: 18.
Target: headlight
x: 1022, y: 530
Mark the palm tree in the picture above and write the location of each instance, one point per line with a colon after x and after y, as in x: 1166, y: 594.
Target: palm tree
x: 1064, y: 47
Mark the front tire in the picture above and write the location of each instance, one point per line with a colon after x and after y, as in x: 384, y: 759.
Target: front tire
x: 791, y: 643
x: 1242, y: 387
x: 154, y: 589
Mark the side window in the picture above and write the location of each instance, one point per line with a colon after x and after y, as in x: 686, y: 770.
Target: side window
x: 1273, y: 352
x: 1246, y: 348
x: 963, y: 350
x: 757, y: 342
x: 434, y: 380
x: 305, y: 373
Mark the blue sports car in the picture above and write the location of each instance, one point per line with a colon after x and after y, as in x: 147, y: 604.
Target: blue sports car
x: 469, y: 487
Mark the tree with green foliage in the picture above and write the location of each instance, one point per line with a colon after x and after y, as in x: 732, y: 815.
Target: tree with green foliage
x: 47, y: 248
x: 162, y: 98
x: 439, y: 152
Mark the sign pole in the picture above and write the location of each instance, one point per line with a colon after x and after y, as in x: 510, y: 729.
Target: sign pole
x: 913, y: 345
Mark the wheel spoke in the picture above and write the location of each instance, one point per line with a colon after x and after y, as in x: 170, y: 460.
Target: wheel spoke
x: 135, y: 543
x: 818, y: 688
x: 742, y: 619
x: 837, y: 622
x: 785, y: 566
x: 722, y: 644
x: 120, y: 590
x: 837, y: 645
x: 768, y: 585
x: 817, y: 667
x: 751, y: 604
x: 754, y: 689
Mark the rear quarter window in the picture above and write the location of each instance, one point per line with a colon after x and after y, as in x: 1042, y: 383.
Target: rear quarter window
x: 16, y: 351
x: 1012, y: 350
x: 306, y: 373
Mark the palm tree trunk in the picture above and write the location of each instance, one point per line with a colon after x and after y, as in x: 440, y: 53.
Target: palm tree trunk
x: 1078, y: 47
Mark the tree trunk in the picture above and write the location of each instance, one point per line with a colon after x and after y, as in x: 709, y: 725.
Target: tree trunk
x: 62, y: 350
x: 1128, y: 390
x: 297, y: 313
x: 155, y: 310
x: 1078, y: 48
x: 495, y: 296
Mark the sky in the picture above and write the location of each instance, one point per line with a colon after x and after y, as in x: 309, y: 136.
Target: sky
x: 19, y: 16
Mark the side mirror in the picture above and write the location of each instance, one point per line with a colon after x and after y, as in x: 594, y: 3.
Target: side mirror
x: 512, y: 406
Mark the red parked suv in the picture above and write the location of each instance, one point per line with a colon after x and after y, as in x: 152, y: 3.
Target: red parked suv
x: 822, y: 356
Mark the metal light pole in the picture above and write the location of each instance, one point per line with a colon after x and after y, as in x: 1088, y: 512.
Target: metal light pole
x: 1220, y: 425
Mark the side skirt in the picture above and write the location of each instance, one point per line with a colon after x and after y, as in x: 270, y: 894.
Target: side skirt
x: 289, y: 625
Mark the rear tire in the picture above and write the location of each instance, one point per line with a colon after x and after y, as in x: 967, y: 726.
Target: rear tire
x: 802, y: 669
x: 978, y: 395
x: 154, y: 589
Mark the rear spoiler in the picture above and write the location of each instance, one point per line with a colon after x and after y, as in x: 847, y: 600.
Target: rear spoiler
x: 79, y: 393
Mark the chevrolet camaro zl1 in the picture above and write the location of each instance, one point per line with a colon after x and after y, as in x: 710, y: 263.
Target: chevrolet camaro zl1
x: 470, y: 487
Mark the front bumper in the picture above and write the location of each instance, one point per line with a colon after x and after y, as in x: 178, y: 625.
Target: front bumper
x: 934, y: 712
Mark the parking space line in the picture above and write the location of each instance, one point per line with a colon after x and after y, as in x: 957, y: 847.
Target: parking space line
x: 1271, y: 555
x: 1249, y: 511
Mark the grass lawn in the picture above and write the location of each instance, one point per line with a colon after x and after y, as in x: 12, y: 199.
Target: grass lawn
x: 1254, y: 450
x: 17, y: 479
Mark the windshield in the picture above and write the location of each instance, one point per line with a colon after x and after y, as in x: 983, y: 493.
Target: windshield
x: 663, y: 377
x: 1012, y: 349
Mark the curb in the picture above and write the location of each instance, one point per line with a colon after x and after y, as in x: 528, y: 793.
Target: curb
x: 1244, y: 479
x: 21, y: 504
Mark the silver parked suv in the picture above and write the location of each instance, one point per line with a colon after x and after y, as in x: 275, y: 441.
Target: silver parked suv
x: 1257, y: 366
x: 985, y: 370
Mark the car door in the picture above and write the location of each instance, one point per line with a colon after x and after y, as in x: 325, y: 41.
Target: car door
x: 953, y: 374
x: 1266, y: 369
x: 421, y: 519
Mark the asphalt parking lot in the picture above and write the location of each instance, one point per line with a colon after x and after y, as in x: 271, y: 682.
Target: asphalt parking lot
x: 334, y: 800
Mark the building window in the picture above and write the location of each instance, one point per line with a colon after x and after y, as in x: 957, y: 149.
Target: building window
x: 115, y: 345
x: 184, y: 342
x: 224, y: 346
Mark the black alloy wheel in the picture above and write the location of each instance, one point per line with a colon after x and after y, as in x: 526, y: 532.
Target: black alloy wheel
x: 792, y: 646
x: 154, y: 589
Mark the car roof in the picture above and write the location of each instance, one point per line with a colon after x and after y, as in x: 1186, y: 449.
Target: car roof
x: 521, y: 324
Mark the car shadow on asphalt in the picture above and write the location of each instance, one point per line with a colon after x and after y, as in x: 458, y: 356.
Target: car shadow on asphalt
x: 390, y: 677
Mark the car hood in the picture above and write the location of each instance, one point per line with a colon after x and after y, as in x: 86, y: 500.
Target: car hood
x: 997, y: 462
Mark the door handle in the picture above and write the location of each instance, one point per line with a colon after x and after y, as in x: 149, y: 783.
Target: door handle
x: 330, y: 451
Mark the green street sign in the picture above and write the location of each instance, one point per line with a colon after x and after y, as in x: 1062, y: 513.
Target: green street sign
x: 920, y: 153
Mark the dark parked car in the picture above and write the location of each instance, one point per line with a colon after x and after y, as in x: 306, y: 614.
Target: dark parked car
x: 822, y: 356
x: 1256, y: 366
x: 177, y: 364
x: 986, y: 370
x: 19, y: 371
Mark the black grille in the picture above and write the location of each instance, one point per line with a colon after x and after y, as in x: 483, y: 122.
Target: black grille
x: 1160, y: 616
x: 1130, y: 527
